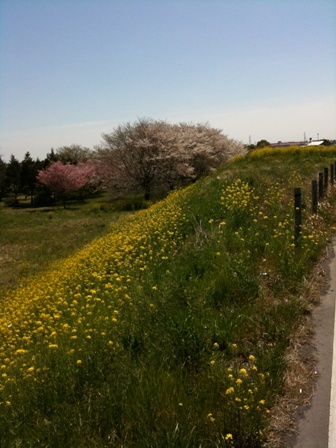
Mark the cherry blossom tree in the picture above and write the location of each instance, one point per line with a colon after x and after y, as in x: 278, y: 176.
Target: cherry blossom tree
x: 133, y: 157
x: 63, y: 180
x: 141, y: 156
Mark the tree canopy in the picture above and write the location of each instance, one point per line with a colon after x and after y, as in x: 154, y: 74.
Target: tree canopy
x: 263, y: 143
x: 73, y: 154
x: 64, y: 180
x: 141, y: 156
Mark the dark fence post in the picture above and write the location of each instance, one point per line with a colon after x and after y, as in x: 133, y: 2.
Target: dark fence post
x: 314, y: 196
x: 326, y: 178
x: 332, y: 173
x: 297, y: 214
x: 320, y: 192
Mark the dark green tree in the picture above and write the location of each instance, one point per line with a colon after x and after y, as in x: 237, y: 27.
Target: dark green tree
x: 51, y: 157
x: 2, y: 178
x: 13, y: 174
x: 28, y: 175
x: 263, y: 144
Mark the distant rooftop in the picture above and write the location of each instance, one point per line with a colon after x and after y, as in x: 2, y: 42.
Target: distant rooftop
x: 301, y: 143
x: 285, y: 144
x: 316, y: 143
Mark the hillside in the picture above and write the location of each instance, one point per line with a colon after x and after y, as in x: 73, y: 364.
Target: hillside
x: 172, y: 330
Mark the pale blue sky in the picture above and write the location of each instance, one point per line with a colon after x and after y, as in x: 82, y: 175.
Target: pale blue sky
x: 72, y: 69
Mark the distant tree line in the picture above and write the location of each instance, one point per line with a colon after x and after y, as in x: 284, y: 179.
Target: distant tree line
x: 138, y: 157
x: 22, y: 177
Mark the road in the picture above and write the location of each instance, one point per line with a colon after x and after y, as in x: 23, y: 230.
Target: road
x: 317, y: 427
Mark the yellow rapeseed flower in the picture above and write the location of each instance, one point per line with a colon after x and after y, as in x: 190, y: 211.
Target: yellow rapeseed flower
x: 20, y: 351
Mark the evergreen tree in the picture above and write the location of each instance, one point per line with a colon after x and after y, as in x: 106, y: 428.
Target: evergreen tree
x: 13, y: 174
x: 28, y: 175
x: 2, y: 178
x: 50, y: 158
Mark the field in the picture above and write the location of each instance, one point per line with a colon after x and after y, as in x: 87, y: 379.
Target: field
x: 32, y: 238
x: 172, y: 328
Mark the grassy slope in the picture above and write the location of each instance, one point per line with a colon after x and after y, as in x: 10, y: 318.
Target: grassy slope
x: 31, y: 239
x: 172, y: 329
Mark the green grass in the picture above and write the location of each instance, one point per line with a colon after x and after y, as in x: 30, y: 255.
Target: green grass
x: 32, y: 238
x: 171, y: 330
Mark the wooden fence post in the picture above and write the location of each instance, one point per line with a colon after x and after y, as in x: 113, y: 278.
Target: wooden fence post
x: 320, y: 192
x: 332, y: 173
x: 297, y: 214
x: 326, y: 179
x: 314, y: 196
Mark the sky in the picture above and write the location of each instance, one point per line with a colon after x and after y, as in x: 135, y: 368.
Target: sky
x: 71, y: 70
